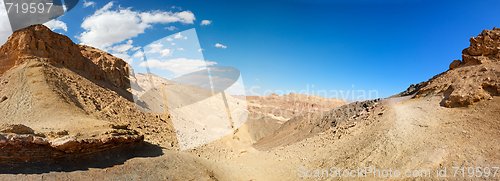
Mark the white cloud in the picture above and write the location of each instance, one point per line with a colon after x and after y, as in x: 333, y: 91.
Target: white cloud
x: 105, y: 8
x: 186, y: 17
x: 219, y: 45
x: 179, y: 66
x: 88, y: 3
x: 165, y: 52
x: 138, y: 54
x: 205, y: 22
x: 122, y: 48
x: 124, y: 56
x: 135, y: 48
x: 171, y: 28
x: 176, y: 7
x: 107, y: 27
x: 157, y: 48
x: 5, y: 29
x: 56, y: 25
x: 179, y: 36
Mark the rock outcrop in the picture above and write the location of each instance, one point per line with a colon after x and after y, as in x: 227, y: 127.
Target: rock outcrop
x: 20, y: 143
x: 114, y: 69
x: 39, y: 41
x: 16, y: 129
x: 485, y: 48
x: 455, y: 64
x: 411, y: 90
x: 59, y: 100
x: 475, y: 78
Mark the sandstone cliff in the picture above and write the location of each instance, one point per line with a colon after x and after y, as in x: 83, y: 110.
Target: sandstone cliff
x: 39, y: 41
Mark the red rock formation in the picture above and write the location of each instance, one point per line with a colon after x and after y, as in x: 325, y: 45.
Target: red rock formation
x: 115, y: 69
x: 40, y: 42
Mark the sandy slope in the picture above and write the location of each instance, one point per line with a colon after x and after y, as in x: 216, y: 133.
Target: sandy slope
x: 401, y: 134
x: 31, y: 102
x: 414, y: 134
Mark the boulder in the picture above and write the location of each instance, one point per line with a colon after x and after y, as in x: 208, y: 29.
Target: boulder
x: 16, y: 128
x: 455, y: 64
x: 483, y: 48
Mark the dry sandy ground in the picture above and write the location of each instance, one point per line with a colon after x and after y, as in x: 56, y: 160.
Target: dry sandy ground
x: 415, y: 135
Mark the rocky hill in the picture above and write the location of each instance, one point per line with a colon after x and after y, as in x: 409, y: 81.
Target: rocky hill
x: 290, y: 105
x: 59, y: 98
x: 474, y: 78
x: 311, y: 124
x: 40, y: 42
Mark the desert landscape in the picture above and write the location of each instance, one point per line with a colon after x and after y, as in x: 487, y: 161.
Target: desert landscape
x: 66, y: 113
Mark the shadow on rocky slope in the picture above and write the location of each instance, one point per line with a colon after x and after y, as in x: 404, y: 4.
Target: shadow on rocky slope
x: 104, y: 159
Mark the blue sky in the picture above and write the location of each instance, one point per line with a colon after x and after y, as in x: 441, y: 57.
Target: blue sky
x: 318, y: 45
